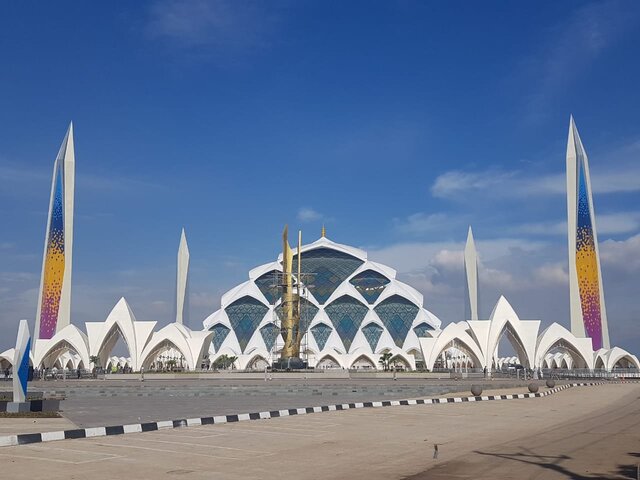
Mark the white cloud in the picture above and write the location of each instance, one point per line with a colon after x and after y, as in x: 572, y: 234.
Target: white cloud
x: 218, y: 25
x: 308, y: 214
x: 419, y: 223
x: 606, y: 224
x: 622, y: 255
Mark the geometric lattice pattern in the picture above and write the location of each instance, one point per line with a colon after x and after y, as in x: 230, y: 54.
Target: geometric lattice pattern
x: 220, y: 332
x: 268, y: 285
x: 397, y: 315
x: 422, y: 329
x: 346, y: 314
x: 370, y: 284
x: 372, y: 333
x: 321, y: 333
x: 329, y: 268
x: 54, y: 264
x: 245, y: 314
x: 587, y: 264
x: 269, y: 334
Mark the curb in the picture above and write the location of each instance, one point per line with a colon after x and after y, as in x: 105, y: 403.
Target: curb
x: 92, y: 432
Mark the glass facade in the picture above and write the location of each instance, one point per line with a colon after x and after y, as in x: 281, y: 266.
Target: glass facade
x: 329, y: 268
x: 267, y: 283
x: 245, y: 314
x: 397, y: 314
x: 220, y: 332
x: 321, y: 334
x: 269, y: 334
x: 346, y: 314
x: 422, y: 329
x: 372, y: 333
x: 370, y: 285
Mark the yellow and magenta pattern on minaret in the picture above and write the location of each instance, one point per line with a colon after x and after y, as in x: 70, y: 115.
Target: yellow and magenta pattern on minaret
x: 587, y: 266
x: 54, y: 264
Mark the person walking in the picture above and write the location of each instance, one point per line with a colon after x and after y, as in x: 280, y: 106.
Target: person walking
x: 435, y: 451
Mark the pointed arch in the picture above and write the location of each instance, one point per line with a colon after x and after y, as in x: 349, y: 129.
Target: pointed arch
x: 257, y: 362
x: 363, y: 360
x: 557, y: 338
x: 328, y: 361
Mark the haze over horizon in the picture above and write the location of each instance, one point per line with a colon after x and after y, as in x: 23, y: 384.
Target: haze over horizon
x: 397, y: 125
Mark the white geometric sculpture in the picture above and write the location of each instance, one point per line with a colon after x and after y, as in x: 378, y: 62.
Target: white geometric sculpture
x: 586, y: 295
x: 21, y: 363
x: 54, y: 299
x: 471, y: 274
x: 182, y: 307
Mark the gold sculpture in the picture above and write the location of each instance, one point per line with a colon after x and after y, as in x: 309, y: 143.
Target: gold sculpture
x: 290, y: 301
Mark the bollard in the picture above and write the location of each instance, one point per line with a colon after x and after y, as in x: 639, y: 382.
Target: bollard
x: 533, y: 387
x: 551, y: 383
x: 476, y: 390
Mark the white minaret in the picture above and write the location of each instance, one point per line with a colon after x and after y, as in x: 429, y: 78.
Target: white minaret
x: 181, y: 281
x: 54, y: 298
x: 586, y: 295
x: 471, y: 274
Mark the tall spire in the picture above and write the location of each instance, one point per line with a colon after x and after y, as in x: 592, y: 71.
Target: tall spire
x: 586, y: 295
x: 54, y: 298
x: 182, y: 281
x: 471, y: 277
x: 323, y: 232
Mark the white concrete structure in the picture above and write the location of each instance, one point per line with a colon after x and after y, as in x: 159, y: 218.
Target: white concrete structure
x: 471, y: 277
x: 555, y: 347
x: 182, y: 299
x: 72, y: 348
x: 353, y: 311
x: 54, y: 298
x: 586, y: 293
x: 21, y: 362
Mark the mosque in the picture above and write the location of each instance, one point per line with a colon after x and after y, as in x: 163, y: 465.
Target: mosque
x: 338, y: 310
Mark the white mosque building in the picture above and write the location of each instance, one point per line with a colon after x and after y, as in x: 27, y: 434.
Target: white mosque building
x: 353, y: 310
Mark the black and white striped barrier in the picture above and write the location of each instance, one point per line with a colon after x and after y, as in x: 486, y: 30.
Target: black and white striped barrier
x: 27, y: 438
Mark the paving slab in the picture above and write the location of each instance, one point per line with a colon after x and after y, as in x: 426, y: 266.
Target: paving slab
x: 389, y: 443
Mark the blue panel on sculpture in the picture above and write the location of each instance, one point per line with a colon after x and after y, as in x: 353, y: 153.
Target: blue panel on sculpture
x: 346, y: 314
x: 372, y: 333
x: 422, y: 329
x: 397, y: 314
x: 327, y: 268
x: 245, y: 315
x: 23, y: 369
x: 321, y: 334
x: 269, y: 334
x: 268, y: 285
x: 220, y: 332
x: 370, y: 284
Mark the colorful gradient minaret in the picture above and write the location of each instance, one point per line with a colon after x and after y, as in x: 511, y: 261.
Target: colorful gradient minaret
x: 588, y: 313
x: 54, y: 299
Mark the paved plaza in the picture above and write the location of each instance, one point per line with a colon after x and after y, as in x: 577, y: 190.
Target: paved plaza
x: 114, y: 402
x: 581, y: 432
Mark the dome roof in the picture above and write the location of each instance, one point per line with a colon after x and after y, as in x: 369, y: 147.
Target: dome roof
x: 352, y: 307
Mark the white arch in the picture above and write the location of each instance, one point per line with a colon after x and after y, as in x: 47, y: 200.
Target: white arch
x: 617, y: 354
x: 521, y: 334
x: 192, y: 345
x: 556, y: 336
x: 453, y: 334
x: 70, y: 338
x: 121, y: 322
x: 328, y: 357
x: 364, y: 356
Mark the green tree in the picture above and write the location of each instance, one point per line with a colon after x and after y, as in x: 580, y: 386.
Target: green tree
x: 385, y: 358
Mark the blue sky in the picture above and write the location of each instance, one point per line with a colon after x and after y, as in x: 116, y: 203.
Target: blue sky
x: 397, y: 124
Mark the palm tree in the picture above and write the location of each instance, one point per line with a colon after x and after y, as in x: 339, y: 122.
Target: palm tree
x: 384, y: 360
